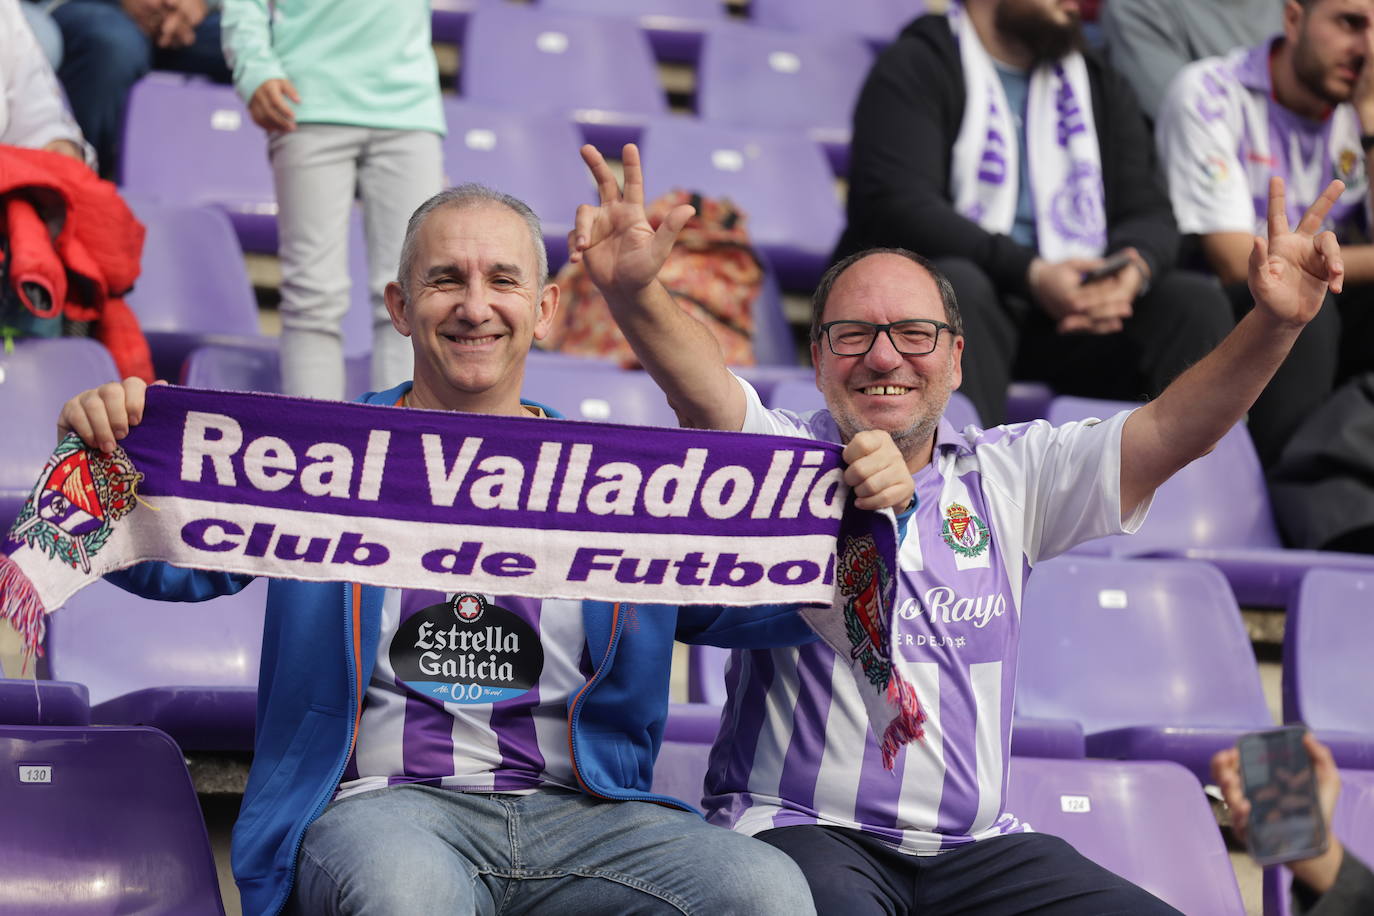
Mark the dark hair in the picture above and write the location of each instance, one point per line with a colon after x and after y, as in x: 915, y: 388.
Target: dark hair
x: 947, y: 298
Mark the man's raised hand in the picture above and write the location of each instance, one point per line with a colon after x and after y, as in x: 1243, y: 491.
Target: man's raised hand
x: 1291, y: 270
x: 622, y: 253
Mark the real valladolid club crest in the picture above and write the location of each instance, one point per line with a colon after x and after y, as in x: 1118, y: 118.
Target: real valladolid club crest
x: 964, y: 532
x: 864, y: 584
x: 79, y: 496
x: 467, y: 608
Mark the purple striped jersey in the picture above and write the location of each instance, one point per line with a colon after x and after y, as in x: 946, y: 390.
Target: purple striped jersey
x: 795, y: 746
x: 470, y: 692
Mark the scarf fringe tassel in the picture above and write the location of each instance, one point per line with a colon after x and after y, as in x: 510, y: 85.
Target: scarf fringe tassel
x: 905, y: 727
x: 21, y: 606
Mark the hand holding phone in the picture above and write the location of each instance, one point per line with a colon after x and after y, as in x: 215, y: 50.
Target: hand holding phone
x: 1278, y: 779
x: 1108, y: 268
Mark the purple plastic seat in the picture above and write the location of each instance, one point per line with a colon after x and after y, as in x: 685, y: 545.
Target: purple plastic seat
x: 190, y: 669
x: 1327, y: 640
x: 766, y: 378
x: 600, y: 70
x: 256, y: 366
x: 779, y: 178
x: 1216, y: 509
x: 219, y: 156
x: 1149, y: 656
x: 582, y: 389
x: 531, y: 156
x: 26, y: 702
x: 449, y: 18
x: 674, y: 27
x: 193, y: 287
x: 1353, y: 823
x: 879, y: 21
x: 1148, y: 822
x: 680, y: 770
x: 101, y: 820
x: 809, y: 81
x: 35, y: 381
x: 1028, y: 401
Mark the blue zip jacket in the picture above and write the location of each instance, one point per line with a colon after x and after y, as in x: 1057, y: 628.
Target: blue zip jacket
x: 318, y: 648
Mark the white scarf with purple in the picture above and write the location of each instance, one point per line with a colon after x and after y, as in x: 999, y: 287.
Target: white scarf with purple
x: 326, y: 492
x: 1065, y: 167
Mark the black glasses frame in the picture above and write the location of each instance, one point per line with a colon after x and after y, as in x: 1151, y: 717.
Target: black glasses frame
x: 887, y: 329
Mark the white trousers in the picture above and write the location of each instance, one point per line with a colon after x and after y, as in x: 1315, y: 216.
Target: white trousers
x: 319, y: 169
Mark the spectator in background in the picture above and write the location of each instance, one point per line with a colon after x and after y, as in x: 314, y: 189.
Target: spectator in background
x: 349, y: 93
x: 1301, y: 106
x: 108, y: 45
x: 1149, y: 41
x: 1335, y: 883
x: 988, y: 142
x: 32, y: 113
x: 45, y: 30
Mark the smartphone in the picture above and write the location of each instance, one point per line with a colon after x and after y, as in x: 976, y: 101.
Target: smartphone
x: 1113, y: 265
x: 1285, y: 817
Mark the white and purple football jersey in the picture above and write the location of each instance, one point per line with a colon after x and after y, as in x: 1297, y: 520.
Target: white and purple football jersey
x: 795, y: 746
x: 470, y: 692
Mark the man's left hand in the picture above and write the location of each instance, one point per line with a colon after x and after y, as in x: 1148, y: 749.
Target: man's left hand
x: 877, y: 472
x: 1291, y: 270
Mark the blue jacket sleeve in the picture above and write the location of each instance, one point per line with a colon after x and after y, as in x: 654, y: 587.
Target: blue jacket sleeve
x: 164, y: 582
x: 763, y: 627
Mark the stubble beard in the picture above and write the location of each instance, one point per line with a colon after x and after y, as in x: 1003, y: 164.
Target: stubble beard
x: 1309, y: 70
x: 1033, y: 28
x: 909, y: 441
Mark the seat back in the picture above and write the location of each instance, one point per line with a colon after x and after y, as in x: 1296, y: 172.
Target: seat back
x: 1327, y: 641
x: 877, y: 20
x: 680, y: 770
x: 1147, y: 821
x: 36, y: 379
x: 583, y: 389
x: 256, y: 366
x: 101, y: 820
x: 706, y: 674
x: 528, y: 59
x: 1220, y: 500
x: 779, y: 178
x: 219, y: 157
x: 674, y: 27
x: 1117, y: 643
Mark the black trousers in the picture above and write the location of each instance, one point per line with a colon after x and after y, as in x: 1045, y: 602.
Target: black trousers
x: 1180, y: 320
x: 852, y: 874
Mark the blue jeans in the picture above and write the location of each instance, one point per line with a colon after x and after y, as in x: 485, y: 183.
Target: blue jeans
x: 104, y: 54
x: 423, y: 850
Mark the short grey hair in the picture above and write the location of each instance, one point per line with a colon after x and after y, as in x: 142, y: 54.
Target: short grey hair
x: 946, y: 289
x: 461, y: 197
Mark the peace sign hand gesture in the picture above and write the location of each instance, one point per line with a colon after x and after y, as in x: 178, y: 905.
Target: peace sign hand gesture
x: 622, y: 252
x: 1291, y: 271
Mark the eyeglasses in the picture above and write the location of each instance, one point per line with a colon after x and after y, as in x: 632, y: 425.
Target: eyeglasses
x: 912, y: 337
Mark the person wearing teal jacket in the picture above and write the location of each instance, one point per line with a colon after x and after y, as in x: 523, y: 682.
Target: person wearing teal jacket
x: 348, y: 91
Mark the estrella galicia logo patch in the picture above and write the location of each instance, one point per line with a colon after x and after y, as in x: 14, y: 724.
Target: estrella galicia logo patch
x: 964, y: 532
x: 467, y: 650
x: 863, y: 581
x: 80, y: 495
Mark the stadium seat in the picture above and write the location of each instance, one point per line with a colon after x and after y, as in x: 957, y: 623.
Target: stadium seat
x: 256, y: 366
x: 766, y: 378
x: 531, y: 156
x: 1149, y: 656
x: 599, y: 70
x: 780, y: 179
x: 583, y: 389
x: 1353, y: 823
x: 680, y: 770
x: 809, y: 81
x: 40, y: 702
x: 1216, y: 509
x: 879, y: 21
x: 101, y: 820
x: 190, y: 142
x: 1028, y: 401
x: 449, y: 18
x: 674, y: 27
x: 1328, y: 638
x: 1146, y: 821
x: 189, y: 669
x: 36, y: 379
x: 193, y: 287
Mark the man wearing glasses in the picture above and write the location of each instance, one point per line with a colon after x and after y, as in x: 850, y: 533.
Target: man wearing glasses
x: 796, y: 763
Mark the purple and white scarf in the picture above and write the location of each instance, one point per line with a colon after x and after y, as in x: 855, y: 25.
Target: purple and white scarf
x: 323, y: 491
x: 1065, y: 167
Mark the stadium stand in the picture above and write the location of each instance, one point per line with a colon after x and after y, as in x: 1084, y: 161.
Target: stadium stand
x: 878, y: 21
x: 189, y: 669
x: 101, y: 820
x: 755, y: 77
x: 36, y: 379
x: 674, y: 27
x: 1353, y: 823
x: 1149, y: 656
x: 1146, y: 821
x: 779, y: 178
x: 1215, y: 509
x: 598, y: 70
x: 583, y: 389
